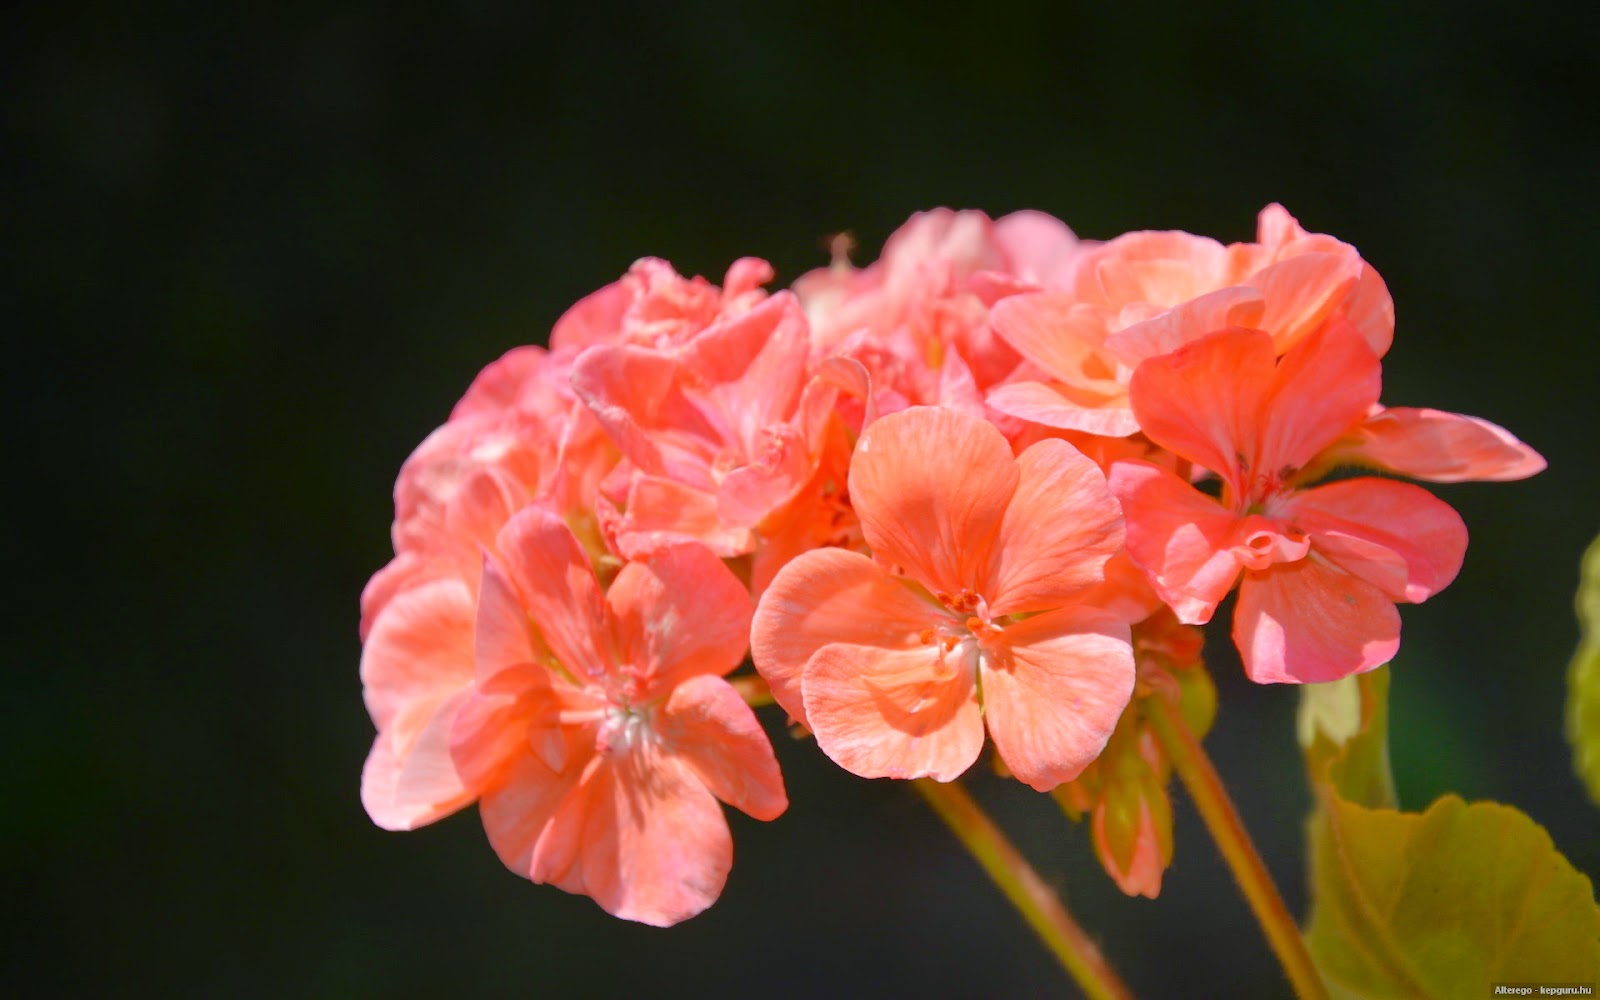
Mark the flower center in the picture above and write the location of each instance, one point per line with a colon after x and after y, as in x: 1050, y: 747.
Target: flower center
x: 1260, y: 542
x: 960, y: 636
x: 623, y: 728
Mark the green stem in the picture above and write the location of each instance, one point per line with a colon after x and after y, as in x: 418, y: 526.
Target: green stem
x: 1011, y: 872
x: 1227, y: 829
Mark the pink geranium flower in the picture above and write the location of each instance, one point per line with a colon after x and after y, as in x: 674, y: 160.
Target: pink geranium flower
x: 1322, y: 567
x: 721, y: 421
x: 969, y: 614
x: 1143, y: 294
x: 518, y: 422
x: 600, y: 732
x: 918, y: 317
x: 516, y: 435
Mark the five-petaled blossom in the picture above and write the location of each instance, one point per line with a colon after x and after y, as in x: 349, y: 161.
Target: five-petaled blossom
x: 601, y: 732
x: 969, y: 613
x: 1322, y: 566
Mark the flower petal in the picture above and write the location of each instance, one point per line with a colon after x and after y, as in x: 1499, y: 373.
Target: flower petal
x: 1354, y: 522
x: 1302, y: 291
x: 829, y: 596
x: 1308, y: 621
x: 518, y: 810
x: 594, y: 319
x: 556, y: 585
x: 931, y: 486
x: 1052, y: 330
x: 708, y: 726
x: 1237, y: 306
x: 641, y: 837
x: 1439, y: 447
x: 662, y: 512
x: 748, y: 371
x: 894, y: 713
x: 418, y: 653
x: 1058, y: 531
x: 409, y: 784
x: 1053, y: 692
x: 1066, y: 407
x: 503, y: 635
x: 679, y: 613
x: 1203, y: 400
x: 1323, y: 387
x: 1180, y: 537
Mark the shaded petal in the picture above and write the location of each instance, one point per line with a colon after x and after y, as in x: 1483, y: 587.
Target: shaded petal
x: 641, y: 837
x: 1439, y: 447
x: 1066, y: 407
x: 931, y: 486
x: 1370, y: 309
x: 1058, y: 531
x: 1203, y: 400
x: 1219, y: 310
x: 748, y: 371
x: 632, y: 391
x: 556, y: 585
x: 709, y: 727
x: 663, y: 512
x: 481, y: 507
x: 679, y: 613
x: 1180, y: 537
x: 1302, y: 291
x: 500, y: 385
x: 1397, y: 536
x: 1053, y: 692
x: 1052, y: 330
x: 516, y: 713
x: 1164, y: 268
x: 1308, y: 621
x: 780, y: 466
x: 829, y: 596
x: 418, y: 653
x: 504, y: 636
x: 672, y: 848
x: 1324, y: 386
x: 594, y: 319
x: 1040, y: 247
x: 404, y: 786
x: 894, y: 713
x: 517, y: 811
x: 401, y: 572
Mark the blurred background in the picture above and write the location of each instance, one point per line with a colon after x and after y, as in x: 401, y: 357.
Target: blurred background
x: 254, y: 252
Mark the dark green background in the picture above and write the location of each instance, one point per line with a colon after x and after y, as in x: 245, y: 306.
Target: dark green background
x: 254, y: 253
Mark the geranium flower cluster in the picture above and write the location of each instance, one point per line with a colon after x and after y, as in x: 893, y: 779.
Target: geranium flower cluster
x: 980, y: 491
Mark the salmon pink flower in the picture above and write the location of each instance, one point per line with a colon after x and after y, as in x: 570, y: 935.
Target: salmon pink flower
x: 600, y: 732
x: 970, y: 612
x: 518, y: 421
x: 654, y: 306
x: 918, y: 317
x: 1145, y: 294
x: 721, y: 429
x: 1322, y: 566
x: 516, y: 434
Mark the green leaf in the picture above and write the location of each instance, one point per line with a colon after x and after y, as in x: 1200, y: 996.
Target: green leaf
x: 1444, y: 903
x: 1583, y: 677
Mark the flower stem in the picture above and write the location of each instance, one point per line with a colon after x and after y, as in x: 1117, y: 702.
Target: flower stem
x: 1011, y: 872
x: 1227, y: 829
